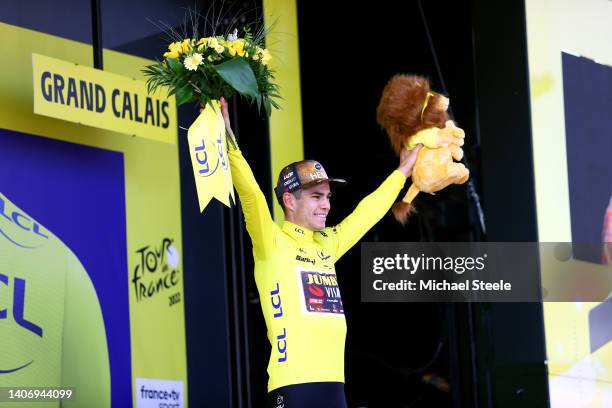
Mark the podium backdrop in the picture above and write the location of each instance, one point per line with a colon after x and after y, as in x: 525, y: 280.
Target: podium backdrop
x: 113, y: 202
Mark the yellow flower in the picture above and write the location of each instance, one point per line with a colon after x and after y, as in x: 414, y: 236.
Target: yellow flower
x: 186, y: 45
x: 175, y: 50
x: 214, y: 43
x: 257, y: 54
x: 267, y: 57
x: 237, y: 47
x: 263, y: 54
x: 171, y: 55
x: 192, y: 61
x: 201, y: 44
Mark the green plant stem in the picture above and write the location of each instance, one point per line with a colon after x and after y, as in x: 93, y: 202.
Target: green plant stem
x: 198, y: 90
x: 231, y: 139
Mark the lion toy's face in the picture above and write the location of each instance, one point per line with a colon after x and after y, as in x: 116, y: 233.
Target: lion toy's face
x: 413, y: 114
x: 407, y: 106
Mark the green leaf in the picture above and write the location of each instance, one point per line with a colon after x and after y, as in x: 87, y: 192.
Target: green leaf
x: 239, y: 75
x: 184, y: 94
x: 274, y: 103
x: 268, y: 107
x: 176, y: 65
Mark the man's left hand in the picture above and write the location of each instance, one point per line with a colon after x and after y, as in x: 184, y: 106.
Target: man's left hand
x: 407, y: 160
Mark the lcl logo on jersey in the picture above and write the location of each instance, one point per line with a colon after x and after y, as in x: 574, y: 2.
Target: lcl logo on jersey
x: 18, y: 312
x: 22, y: 221
x: 19, y: 288
x: 281, y: 339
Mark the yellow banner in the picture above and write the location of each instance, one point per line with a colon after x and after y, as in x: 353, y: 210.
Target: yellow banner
x: 89, y: 96
x: 208, y: 151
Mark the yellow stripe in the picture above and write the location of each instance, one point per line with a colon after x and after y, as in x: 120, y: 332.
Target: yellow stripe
x: 286, y: 141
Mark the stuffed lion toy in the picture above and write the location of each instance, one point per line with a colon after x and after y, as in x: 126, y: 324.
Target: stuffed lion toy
x: 412, y: 114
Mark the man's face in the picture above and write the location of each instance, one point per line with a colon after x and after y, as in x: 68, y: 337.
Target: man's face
x: 312, y: 207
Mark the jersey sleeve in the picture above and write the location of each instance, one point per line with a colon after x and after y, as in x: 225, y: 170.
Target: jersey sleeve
x: 259, y: 222
x: 85, y: 359
x: 368, y: 212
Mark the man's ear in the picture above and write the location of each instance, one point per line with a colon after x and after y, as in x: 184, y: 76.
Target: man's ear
x: 289, y: 201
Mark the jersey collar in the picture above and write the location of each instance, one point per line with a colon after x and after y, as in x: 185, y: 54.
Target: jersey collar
x: 297, y: 232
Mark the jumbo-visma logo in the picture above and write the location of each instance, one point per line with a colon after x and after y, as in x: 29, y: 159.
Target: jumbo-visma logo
x: 209, y: 155
x: 16, y: 311
x: 19, y: 229
x: 321, y: 292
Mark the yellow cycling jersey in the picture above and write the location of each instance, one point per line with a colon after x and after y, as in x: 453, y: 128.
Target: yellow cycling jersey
x: 51, y: 326
x: 296, y: 279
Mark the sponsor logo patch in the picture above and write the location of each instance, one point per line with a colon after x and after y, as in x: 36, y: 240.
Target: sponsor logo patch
x: 320, y: 291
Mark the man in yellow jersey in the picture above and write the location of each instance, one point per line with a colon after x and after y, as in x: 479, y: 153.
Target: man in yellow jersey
x: 295, y: 276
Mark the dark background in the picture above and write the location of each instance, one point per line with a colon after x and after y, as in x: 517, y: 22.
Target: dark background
x: 389, y: 346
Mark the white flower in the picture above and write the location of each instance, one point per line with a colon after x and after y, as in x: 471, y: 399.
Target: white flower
x: 191, y: 62
x: 233, y: 36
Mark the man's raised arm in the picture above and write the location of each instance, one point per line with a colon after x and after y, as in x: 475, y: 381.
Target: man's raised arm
x: 374, y: 206
x: 259, y: 222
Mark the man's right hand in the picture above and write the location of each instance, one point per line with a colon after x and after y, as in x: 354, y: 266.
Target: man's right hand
x: 225, y: 113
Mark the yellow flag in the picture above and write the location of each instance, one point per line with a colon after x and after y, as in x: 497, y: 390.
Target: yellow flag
x: 208, y: 151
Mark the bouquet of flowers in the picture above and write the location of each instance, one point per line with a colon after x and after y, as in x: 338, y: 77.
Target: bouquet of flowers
x: 202, y: 70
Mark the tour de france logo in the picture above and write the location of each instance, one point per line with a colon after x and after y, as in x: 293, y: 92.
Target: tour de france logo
x: 157, y: 273
x: 210, y: 156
